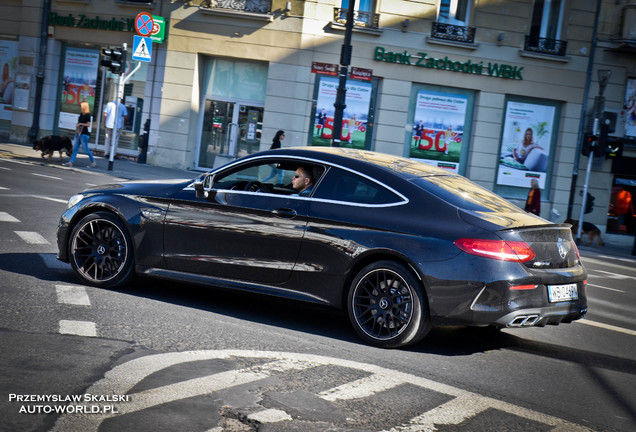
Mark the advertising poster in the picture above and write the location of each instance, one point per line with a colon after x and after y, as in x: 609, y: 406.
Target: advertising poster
x: 9, y: 64
x: 78, y: 85
x: 438, y: 128
x: 525, y: 144
x: 630, y: 108
x: 355, y: 116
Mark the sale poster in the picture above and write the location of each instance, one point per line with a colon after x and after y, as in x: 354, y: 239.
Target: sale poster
x: 438, y: 128
x: 354, y: 118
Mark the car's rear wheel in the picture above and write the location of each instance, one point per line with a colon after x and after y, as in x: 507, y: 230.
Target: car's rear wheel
x: 101, y: 251
x: 387, y: 306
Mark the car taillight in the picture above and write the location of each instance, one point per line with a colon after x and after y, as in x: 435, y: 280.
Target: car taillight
x: 516, y: 251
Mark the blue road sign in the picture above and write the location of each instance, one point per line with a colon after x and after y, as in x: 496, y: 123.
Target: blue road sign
x: 142, y: 48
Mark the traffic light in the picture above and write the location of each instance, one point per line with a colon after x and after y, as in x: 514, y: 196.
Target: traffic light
x: 114, y: 59
x: 589, y: 144
x: 613, y: 148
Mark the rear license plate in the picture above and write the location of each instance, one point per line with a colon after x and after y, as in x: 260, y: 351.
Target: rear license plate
x: 559, y: 293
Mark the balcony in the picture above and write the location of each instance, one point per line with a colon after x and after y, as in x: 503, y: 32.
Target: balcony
x: 250, y: 6
x: 361, y: 19
x: 453, y: 33
x: 541, y: 45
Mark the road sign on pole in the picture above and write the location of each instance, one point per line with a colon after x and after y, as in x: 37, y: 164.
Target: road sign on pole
x: 144, y: 24
x: 142, y: 48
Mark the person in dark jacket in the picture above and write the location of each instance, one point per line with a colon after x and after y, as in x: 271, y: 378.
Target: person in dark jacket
x: 276, y: 144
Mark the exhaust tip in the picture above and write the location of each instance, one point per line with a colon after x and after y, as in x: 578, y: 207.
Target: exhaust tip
x: 524, y: 321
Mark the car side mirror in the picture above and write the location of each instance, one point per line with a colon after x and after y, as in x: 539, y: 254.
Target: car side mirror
x: 203, y: 188
x: 198, y: 188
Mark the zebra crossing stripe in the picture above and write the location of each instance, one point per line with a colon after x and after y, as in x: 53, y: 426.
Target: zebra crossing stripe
x: 6, y: 217
x: 32, y: 237
x: 78, y: 328
x: 72, y: 295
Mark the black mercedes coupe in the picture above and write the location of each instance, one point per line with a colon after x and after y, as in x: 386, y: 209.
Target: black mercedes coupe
x: 400, y: 245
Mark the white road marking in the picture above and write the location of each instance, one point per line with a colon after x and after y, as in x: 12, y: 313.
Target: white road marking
x: 6, y: 217
x: 5, y: 168
x: 607, y: 327
x: 78, y: 328
x: 612, y: 275
x: 121, y: 379
x: 47, y: 176
x: 32, y: 237
x: 63, y: 201
x: 270, y: 416
x: 3, y: 188
x: 72, y: 294
x: 604, y: 287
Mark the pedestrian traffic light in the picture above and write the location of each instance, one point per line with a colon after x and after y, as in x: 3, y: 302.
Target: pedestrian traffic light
x: 114, y: 59
x: 613, y: 148
x: 589, y: 144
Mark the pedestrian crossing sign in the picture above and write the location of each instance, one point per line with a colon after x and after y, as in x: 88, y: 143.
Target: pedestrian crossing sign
x: 142, y: 48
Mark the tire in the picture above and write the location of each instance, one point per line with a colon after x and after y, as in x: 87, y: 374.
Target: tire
x: 386, y: 305
x: 100, y: 251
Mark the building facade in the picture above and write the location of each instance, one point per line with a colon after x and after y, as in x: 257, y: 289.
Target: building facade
x: 502, y: 92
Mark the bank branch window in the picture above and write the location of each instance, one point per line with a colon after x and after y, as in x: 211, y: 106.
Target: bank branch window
x: 527, y: 146
x: 441, y: 126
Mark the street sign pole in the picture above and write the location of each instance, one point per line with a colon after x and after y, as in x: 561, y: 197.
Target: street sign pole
x: 120, y: 95
x: 341, y: 94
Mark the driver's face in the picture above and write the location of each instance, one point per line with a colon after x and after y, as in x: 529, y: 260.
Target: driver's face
x: 300, y: 182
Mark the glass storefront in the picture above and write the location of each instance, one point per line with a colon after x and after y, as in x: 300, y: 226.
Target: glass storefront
x: 232, y: 115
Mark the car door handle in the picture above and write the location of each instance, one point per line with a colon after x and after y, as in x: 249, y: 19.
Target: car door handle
x: 285, y: 213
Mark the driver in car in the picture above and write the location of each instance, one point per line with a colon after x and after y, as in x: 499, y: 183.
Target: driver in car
x: 303, y: 181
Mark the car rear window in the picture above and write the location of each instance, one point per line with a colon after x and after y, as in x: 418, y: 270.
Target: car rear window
x: 341, y: 185
x: 463, y: 193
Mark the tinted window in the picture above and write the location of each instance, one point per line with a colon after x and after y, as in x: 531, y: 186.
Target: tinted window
x: 341, y: 185
x: 463, y: 193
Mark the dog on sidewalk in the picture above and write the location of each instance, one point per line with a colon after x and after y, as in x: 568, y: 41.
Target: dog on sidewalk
x: 53, y: 143
x: 589, y: 229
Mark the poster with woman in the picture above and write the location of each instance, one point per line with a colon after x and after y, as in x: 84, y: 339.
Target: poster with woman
x: 8, y: 66
x: 79, y: 79
x: 630, y: 108
x: 354, y: 118
x: 525, y: 144
x: 438, y: 128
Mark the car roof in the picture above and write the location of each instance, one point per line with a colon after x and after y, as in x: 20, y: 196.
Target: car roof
x: 353, y: 158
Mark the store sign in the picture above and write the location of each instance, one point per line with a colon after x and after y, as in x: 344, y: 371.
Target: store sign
x: 422, y: 59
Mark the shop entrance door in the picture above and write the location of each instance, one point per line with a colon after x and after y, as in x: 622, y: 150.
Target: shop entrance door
x: 230, y: 129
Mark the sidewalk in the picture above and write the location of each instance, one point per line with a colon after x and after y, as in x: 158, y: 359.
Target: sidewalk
x: 122, y: 168
x: 129, y: 170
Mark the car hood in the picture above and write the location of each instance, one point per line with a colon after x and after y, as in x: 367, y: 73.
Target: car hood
x: 157, y: 188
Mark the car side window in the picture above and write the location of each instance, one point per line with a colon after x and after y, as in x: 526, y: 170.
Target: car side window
x: 341, y: 185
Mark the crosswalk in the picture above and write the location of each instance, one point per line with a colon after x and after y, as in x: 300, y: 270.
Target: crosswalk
x: 71, y: 295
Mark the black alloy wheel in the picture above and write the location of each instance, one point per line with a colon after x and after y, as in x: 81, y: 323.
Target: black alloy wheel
x: 101, y: 251
x: 386, y: 305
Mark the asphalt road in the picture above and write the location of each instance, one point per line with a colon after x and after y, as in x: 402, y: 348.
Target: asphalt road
x: 163, y: 356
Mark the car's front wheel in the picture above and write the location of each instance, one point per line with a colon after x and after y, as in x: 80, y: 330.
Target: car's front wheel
x: 101, y: 251
x: 387, y: 306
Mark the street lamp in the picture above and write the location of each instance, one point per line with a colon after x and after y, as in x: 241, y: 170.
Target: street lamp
x: 599, y: 105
